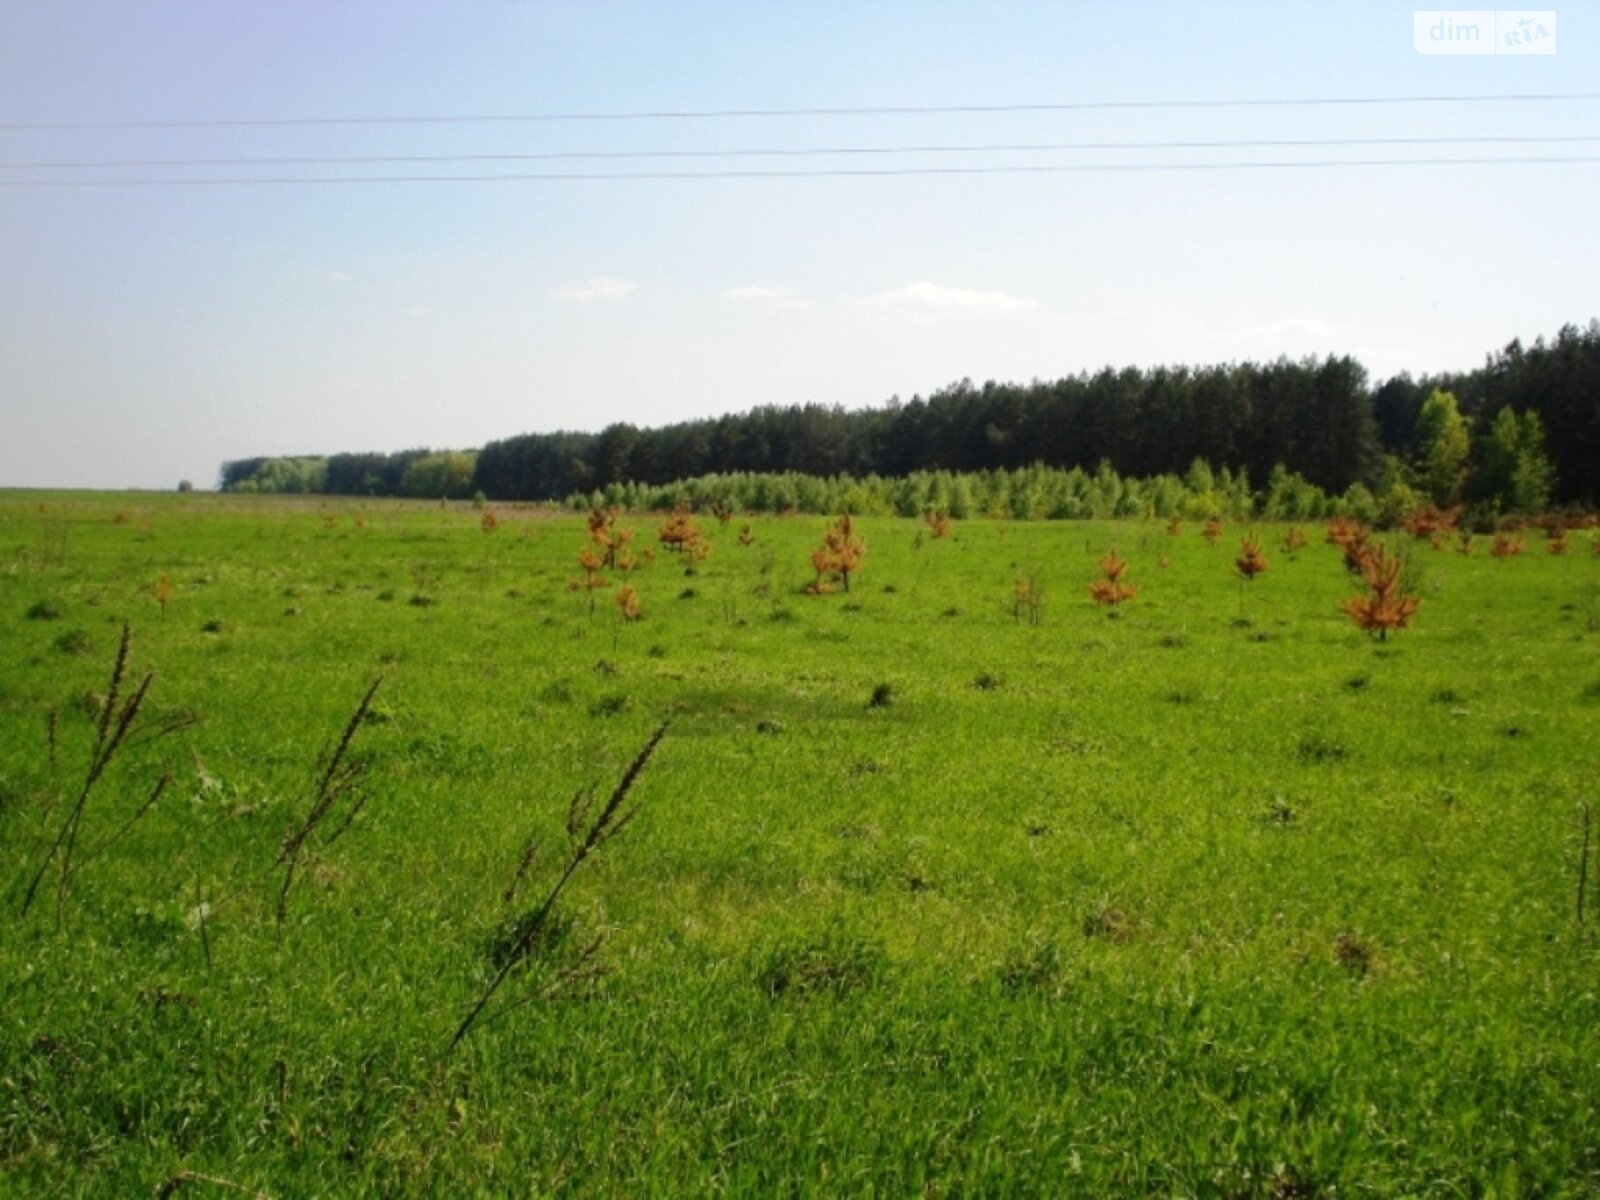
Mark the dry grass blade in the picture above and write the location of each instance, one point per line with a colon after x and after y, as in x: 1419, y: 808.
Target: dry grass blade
x: 610, y: 822
x: 106, y: 843
x: 117, y: 670
x: 110, y: 733
x: 168, y: 726
x: 584, y: 970
x: 337, y: 779
x: 524, y: 865
x: 356, y: 806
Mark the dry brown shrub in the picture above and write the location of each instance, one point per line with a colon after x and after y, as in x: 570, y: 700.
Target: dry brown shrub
x: 1109, y: 590
x: 1351, y: 537
x: 1385, y: 607
x: 610, y: 538
x: 839, y: 557
x: 1251, y: 561
x: 1430, y: 522
x: 682, y: 536
x: 1506, y: 545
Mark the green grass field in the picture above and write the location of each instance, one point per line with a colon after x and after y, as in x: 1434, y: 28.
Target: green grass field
x: 1219, y: 897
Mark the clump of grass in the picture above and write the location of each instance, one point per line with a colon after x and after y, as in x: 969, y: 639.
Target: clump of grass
x: 1447, y: 696
x: 557, y: 691
x: 769, y: 727
x: 987, y: 681
x: 540, y: 941
x: 1358, y: 683
x: 1182, y: 696
x: 882, y: 696
x: 1320, y: 748
x: 215, y: 625
x: 610, y: 705
x: 420, y: 600
x: 1172, y: 641
x: 1354, y: 955
x: 1036, y: 967
x: 1279, y: 812
x: 76, y: 642
x: 44, y: 610
x: 1112, y: 923
x: 836, y: 964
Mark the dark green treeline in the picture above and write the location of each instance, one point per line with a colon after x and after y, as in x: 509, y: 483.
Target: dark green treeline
x: 1319, y: 419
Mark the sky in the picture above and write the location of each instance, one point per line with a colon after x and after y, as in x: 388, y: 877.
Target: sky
x: 148, y: 333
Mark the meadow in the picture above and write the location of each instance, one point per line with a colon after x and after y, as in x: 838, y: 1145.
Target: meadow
x: 1210, y: 894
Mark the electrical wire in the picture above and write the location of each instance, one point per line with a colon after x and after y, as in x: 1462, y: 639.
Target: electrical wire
x: 763, y: 113
x: 819, y: 151
x: 841, y: 172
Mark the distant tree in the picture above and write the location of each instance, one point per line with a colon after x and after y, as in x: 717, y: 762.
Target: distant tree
x: 1443, y: 448
x: 1514, y: 472
x: 447, y: 474
x: 185, y: 486
x: 1533, y: 480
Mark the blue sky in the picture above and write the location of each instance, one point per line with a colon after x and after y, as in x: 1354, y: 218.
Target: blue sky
x: 146, y: 334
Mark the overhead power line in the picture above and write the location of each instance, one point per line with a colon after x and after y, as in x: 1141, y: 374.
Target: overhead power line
x: 708, y: 114
x: 839, y: 172
x: 783, y: 152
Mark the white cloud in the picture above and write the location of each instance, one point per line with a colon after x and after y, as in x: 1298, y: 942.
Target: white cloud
x: 600, y: 288
x: 929, y: 299
x: 771, y: 297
